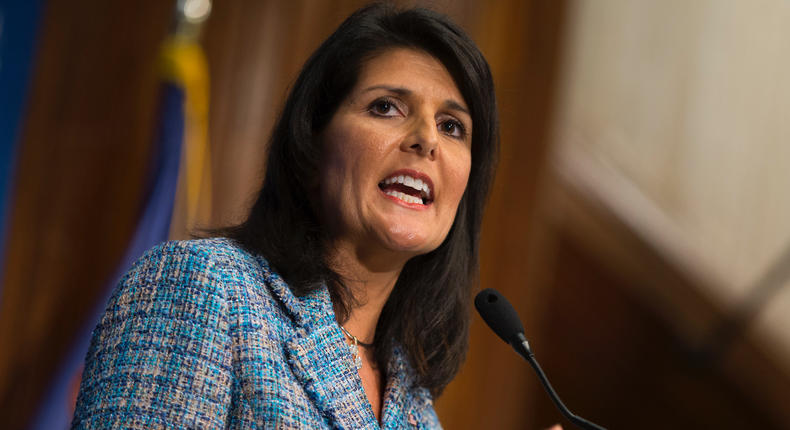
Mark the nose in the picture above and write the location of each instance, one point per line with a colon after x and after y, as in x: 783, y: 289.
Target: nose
x: 423, y: 138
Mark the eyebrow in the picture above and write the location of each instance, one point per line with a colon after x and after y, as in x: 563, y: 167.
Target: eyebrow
x: 451, y: 104
x: 457, y: 106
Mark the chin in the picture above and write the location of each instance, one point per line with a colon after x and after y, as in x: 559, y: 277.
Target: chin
x: 409, y: 242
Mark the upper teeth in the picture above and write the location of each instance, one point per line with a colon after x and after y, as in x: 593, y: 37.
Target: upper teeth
x: 408, y: 181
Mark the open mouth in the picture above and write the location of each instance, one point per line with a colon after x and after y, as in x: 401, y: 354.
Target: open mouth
x: 408, y: 189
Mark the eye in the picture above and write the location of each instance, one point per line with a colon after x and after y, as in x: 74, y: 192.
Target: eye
x: 453, y: 128
x: 448, y: 127
x: 384, y: 108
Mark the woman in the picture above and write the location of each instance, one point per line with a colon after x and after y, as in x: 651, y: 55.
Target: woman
x: 343, y: 300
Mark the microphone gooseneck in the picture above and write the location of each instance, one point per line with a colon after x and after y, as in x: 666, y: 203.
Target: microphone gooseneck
x: 500, y: 316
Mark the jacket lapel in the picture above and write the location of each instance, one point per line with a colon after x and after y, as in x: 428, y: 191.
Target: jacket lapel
x: 320, y: 360
x: 392, y: 415
x: 398, y: 411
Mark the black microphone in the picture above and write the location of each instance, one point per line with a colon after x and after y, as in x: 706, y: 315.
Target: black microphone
x: 500, y: 316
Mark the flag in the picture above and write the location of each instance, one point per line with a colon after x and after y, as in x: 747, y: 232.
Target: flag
x: 180, y: 151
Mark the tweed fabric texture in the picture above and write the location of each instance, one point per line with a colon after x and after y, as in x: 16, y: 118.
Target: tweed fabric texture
x: 204, y: 335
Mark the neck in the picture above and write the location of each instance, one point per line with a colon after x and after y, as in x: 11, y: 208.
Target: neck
x: 371, y: 284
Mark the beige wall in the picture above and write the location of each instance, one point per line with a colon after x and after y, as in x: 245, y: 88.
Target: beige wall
x: 675, y: 115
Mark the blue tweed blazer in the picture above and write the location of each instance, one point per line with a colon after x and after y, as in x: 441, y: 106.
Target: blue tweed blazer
x: 204, y: 335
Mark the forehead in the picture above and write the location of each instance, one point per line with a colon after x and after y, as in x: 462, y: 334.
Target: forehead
x: 416, y: 70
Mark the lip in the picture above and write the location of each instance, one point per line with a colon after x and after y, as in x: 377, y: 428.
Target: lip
x: 416, y: 175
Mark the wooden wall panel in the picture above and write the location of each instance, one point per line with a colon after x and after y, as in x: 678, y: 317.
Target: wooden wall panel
x: 521, y: 40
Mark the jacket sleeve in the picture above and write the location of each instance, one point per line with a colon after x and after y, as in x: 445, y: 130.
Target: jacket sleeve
x: 160, y: 356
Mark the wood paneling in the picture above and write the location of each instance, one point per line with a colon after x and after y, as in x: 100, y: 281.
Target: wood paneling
x: 521, y: 41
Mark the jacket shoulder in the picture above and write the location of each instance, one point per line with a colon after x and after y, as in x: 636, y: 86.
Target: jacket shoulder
x: 219, y: 252
x: 165, y: 342
x: 215, y: 262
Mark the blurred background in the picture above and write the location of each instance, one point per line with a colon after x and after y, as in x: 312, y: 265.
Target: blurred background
x: 640, y: 221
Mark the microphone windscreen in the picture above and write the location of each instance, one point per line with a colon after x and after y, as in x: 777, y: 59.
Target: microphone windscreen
x: 497, y: 312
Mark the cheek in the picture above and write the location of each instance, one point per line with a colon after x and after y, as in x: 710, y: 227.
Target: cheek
x: 332, y: 170
x: 458, y: 176
x: 334, y: 147
x: 348, y: 169
x: 352, y: 154
x: 339, y: 154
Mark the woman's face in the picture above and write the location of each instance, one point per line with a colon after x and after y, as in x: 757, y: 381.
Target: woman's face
x: 396, y: 157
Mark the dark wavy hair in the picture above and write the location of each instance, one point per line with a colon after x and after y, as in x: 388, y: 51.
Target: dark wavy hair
x: 428, y: 312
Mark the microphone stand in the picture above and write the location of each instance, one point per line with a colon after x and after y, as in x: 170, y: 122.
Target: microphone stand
x: 520, y: 344
x: 500, y: 316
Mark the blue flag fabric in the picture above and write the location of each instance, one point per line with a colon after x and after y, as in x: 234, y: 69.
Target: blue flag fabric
x: 19, y: 21
x: 153, y: 228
